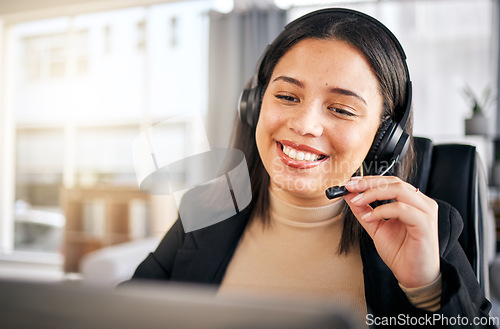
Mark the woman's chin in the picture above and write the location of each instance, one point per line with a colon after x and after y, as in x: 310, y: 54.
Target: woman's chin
x: 300, y: 188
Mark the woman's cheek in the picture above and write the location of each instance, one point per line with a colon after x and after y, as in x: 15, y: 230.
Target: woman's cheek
x: 271, y: 120
x: 350, y: 151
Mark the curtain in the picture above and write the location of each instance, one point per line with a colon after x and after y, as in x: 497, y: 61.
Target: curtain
x: 236, y: 41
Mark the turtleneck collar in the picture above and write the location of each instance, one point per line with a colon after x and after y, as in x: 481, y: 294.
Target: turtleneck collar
x: 307, y: 217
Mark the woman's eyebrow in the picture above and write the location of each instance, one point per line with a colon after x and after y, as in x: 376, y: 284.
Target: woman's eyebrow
x: 346, y: 92
x: 334, y: 90
x: 290, y: 80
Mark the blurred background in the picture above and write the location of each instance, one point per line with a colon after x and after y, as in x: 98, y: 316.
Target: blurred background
x: 80, y: 79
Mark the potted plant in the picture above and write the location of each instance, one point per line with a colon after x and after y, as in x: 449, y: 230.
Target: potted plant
x: 478, y: 123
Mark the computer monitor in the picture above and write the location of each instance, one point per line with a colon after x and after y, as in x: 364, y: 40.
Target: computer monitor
x: 30, y: 305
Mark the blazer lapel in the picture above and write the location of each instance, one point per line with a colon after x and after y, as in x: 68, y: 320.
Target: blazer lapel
x: 206, y: 253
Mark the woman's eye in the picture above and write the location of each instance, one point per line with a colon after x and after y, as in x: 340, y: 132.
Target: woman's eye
x: 342, y: 111
x: 287, y: 98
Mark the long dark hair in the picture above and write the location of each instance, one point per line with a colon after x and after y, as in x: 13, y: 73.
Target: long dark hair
x: 387, y: 63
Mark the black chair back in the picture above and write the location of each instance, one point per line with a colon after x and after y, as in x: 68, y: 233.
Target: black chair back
x: 453, y: 173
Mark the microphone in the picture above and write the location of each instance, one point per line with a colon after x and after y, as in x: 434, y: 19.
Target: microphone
x: 338, y: 191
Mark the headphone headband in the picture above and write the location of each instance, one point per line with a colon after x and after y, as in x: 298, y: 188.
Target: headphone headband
x: 344, y: 12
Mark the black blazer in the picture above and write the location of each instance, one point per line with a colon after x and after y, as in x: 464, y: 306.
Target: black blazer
x: 203, y: 256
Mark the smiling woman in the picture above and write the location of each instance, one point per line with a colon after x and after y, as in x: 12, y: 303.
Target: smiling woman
x: 331, y: 99
x: 322, y: 101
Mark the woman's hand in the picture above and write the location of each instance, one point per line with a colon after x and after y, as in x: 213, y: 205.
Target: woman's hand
x: 405, y: 231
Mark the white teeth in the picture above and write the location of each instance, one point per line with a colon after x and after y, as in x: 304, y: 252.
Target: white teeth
x: 300, y: 155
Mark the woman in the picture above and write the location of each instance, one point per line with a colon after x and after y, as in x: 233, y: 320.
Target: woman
x: 317, y: 113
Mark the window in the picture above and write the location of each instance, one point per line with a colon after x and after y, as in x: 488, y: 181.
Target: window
x: 82, y: 90
x: 141, y: 35
x: 46, y: 57
x: 38, y: 219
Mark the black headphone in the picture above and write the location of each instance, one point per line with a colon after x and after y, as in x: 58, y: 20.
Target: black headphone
x: 391, y: 141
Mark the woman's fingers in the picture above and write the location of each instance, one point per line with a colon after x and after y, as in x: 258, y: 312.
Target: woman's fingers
x: 408, y: 205
x: 359, y: 210
x: 404, y: 230
x: 415, y: 220
x: 362, y: 213
x: 378, y: 188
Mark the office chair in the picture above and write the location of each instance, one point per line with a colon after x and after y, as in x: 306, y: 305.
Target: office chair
x: 454, y: 173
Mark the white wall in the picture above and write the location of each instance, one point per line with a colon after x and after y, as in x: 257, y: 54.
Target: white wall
x: 6, y: 151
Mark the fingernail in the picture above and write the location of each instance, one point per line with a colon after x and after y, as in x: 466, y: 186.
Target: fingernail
x: 357, y: 198
x: 365, y: 216
x: 354, y: 180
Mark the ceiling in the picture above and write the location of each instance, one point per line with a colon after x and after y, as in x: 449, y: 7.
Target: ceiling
x: 17, y: 6
x: 12, y: 11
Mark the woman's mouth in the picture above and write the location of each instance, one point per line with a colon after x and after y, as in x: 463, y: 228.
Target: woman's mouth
x: 299, y: 156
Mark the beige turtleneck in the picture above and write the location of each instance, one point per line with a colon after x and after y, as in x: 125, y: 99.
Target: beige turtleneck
x: 296, y: 257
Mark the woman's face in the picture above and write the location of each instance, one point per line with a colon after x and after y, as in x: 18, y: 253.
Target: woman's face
x: 318, y: 119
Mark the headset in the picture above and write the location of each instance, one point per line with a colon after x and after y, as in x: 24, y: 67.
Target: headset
x: 391, y: 141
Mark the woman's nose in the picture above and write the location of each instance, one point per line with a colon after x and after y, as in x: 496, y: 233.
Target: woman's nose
x: 306, y: 121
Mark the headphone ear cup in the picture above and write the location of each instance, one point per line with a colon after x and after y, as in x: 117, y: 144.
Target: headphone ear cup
x: 243, y: 105
x: 375, y: 152
x: 249, y: 105
x: 253, y: 115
